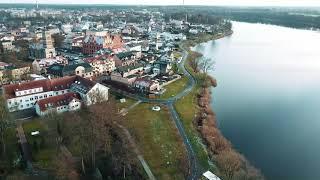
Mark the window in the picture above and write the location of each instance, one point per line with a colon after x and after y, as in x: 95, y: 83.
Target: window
x: 56, y: 93
x: 21, y: 106
x: 20, y: 100
x: 36, y: 97
x: 31, y: 99
x: 45, y: 96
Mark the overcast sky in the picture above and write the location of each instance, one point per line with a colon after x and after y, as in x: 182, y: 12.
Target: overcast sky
x: 179, y: 2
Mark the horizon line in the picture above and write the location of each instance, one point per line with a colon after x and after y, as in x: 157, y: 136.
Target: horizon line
x: 218, y: 5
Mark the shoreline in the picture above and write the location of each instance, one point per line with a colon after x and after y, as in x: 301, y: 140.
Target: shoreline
x: 230, y: 163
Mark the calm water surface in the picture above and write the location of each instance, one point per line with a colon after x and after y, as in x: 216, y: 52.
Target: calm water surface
x: 268, y: 97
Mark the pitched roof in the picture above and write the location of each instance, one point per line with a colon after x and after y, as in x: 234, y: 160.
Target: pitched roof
x: 104, y: 57
x: 74, y: 66
x: 61, y: 68
x: 130, y: 67
x: 124, y: 55
x: 47, y: 85
x: 56, y: 101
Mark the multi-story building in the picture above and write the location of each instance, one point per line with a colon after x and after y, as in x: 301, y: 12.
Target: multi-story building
x: 81, y: 69
x: 93, y: 43
x: 23, y: 96
x: 6, y: 46
x: 39, y: 66
x: 103, y: 64
x: 58, y: 104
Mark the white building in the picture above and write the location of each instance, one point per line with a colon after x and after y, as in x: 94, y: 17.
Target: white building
x: 58, y: 104
x: 25, y: 95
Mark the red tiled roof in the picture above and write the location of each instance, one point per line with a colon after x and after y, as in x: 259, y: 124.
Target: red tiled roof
x: 99, y: 58
x: 3, y: 64
x: 9, y: 90
x: 56, y: 101
x: 47, y: 85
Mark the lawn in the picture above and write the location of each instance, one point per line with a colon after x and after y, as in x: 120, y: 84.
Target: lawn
x: 42, y: 146
x: 158, y: 140
x: 126, y: 104
x: 117, y: 97
x: 174, y: 88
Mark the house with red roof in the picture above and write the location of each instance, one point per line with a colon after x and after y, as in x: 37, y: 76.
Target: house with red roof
x: 102, y: 64
x: 58, y: 104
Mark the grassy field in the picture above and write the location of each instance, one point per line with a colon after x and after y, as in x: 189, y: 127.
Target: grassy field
x: 158, y: 140
x: 174, y: 88
x: 128, y: 103
x: 42, y: 146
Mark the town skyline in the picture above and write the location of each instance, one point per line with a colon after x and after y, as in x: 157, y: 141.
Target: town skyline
x: 284, y: 3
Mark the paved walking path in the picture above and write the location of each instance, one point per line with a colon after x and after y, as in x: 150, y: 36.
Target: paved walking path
x: 136, y: 150
x: 24, y: 143
x: 123, y: 112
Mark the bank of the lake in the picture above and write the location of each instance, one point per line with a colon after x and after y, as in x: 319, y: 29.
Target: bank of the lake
x: 214, y: 152
x: 267, y: 97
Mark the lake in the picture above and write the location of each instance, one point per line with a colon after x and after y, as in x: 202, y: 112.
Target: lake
x: 268, y: 97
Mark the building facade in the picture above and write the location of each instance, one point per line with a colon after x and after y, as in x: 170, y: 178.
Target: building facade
x: 23, y: 96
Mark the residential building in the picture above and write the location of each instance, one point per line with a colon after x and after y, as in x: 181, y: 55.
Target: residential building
x: 6, y: 46
x: 19, y: 73
x: 23, y: 96
x: 127, y: 74
x: 125, y: 59
x: 39, y: 66
x: 102, y: 64
x: 146, y: 85
x: 58, y: 104
x: 81, y: 69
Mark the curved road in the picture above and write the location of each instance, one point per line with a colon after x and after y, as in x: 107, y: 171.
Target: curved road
x: 195, y: 168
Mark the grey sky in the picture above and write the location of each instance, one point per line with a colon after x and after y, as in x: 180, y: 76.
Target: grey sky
x: 178, y: 2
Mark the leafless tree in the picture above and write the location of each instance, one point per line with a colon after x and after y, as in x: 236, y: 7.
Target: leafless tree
x: 206, y: 64
x: 194, y: 64
x: 229, y: 163
x: 4, y: 123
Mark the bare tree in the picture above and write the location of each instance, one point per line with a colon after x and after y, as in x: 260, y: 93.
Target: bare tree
x: 229, y: 163
x: 64, y: 169
x: 194, y: 64
x: 206, y: 64
x: 4, y: 123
